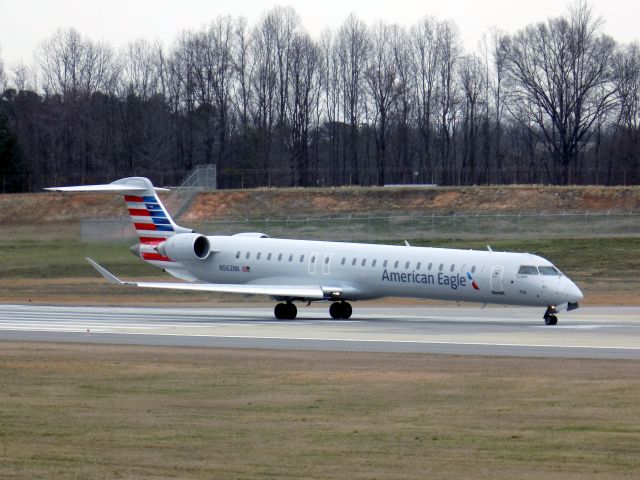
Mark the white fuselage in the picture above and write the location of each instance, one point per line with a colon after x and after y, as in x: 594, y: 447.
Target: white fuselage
x: 366, y: 271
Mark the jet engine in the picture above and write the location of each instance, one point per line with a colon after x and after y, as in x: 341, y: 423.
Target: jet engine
x: 185, y: 246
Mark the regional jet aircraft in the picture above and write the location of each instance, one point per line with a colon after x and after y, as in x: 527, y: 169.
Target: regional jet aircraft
x: 305, y: 271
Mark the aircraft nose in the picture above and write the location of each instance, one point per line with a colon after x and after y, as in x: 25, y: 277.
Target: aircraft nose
x: 572, y: 293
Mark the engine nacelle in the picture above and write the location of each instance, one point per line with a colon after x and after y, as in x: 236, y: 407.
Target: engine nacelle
x: 185, y: 246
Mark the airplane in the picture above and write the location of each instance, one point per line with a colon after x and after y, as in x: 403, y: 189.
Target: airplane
x: 308, y: 271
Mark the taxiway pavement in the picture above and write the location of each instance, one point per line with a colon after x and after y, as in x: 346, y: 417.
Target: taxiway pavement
x: 606, y: 332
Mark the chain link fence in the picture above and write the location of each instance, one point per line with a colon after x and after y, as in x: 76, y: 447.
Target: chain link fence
x: 401, y: 227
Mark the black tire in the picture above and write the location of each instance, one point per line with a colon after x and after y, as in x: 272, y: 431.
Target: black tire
x: 292, y: 311
x: 346, y: 310
x: 550, y: 320
x: 335, y: 310
x: 280, y: 311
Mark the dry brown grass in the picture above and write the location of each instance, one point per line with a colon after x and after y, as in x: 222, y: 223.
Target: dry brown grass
x: 89, y: 411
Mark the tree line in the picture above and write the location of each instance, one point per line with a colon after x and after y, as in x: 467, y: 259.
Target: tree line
x: 556, y: 102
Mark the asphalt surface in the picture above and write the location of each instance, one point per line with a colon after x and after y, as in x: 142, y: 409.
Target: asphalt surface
x: 603, y: 332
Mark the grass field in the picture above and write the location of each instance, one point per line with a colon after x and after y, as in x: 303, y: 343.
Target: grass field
x: 87, y: 411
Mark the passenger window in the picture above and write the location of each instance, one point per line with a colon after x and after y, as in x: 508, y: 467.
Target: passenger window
x: 313, y: 259
x: 385, y: 263
x: 473, y: 269
x: 441, y: 266
x: 280, y: 257
x: 344, y: 260
x: 238, y: 254
x: 395, y: 265
x: 430, y: 265
x: 247, y: 255
x: 528, y: 270
x: 418, y: 265
x: 406, y: 265
x: 373, y: 264
x: 453, y: 267
x: 548, y: 271
x: 353, y: 262
x: 269, y: 256
x: 291, y: 257
x: 364, y: 262
x: 301, y: 258
x: 326, y: 259
x: 259, y: 255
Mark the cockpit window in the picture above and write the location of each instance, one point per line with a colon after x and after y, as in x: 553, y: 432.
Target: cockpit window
x: 528, y: 270
x: 549, y: 271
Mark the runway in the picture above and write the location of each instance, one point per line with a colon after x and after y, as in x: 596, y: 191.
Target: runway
x: 603, y: 332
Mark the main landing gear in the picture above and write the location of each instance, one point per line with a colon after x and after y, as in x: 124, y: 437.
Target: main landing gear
x: 337, y: 310
x: 285, y: 311
x: 550, y: 315
x: 340, y: 310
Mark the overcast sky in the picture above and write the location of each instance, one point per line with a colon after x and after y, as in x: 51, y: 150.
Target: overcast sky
x: 26, y: 23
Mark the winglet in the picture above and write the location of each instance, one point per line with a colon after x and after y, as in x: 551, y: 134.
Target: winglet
x: 106, y: 274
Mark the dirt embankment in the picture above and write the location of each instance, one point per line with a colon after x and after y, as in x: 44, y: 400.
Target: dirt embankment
x: 43, y: 208
x: 344, y: 201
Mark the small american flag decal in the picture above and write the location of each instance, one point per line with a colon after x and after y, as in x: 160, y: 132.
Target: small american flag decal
x: 246, y: 269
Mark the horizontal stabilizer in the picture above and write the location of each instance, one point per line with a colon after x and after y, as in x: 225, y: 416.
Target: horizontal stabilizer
x: 285, y: 291
x: 109, y: 187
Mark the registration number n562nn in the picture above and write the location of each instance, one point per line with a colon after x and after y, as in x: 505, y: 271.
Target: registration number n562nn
x: 229, y: 268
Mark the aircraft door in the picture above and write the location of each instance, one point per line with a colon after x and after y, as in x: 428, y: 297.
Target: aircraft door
x: 496, y: 280
x: 313, y: 259
x: 326, y: 264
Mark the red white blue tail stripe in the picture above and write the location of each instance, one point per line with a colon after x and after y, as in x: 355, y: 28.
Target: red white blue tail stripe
x: 152, y: 223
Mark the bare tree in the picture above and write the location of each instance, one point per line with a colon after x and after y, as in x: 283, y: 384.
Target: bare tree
x: 626, y: 132
x: 352, y: 46
x: 141, y: 69
x: 384, y: 88
x: 72, y: 65
x: 562, y: 81
x: 425, y: 51
x: 496, y: 83
x: 23, y: 77
x: 264, y: 86
x: 241, y: 96
x: 330, y: 79
x: 447, y: 101
x: 472, y: 82
x: 213, y: 73
x: 304, y: 89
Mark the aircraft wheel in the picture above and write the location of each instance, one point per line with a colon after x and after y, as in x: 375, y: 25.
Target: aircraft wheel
x: 335, y: 310
x: 280, y: 311
x: 551, y: 320
x: 292, y: 311
x: 346, y: 310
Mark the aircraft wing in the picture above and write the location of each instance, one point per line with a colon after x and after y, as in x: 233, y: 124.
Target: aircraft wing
x: 297, y: 291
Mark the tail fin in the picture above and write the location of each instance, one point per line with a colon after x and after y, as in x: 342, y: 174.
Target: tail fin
x: 152, y: 222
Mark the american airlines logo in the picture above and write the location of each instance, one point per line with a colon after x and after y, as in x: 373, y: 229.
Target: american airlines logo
x: 452, y: 281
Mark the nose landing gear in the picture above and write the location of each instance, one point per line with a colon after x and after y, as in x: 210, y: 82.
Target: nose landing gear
x: 550, y: 317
